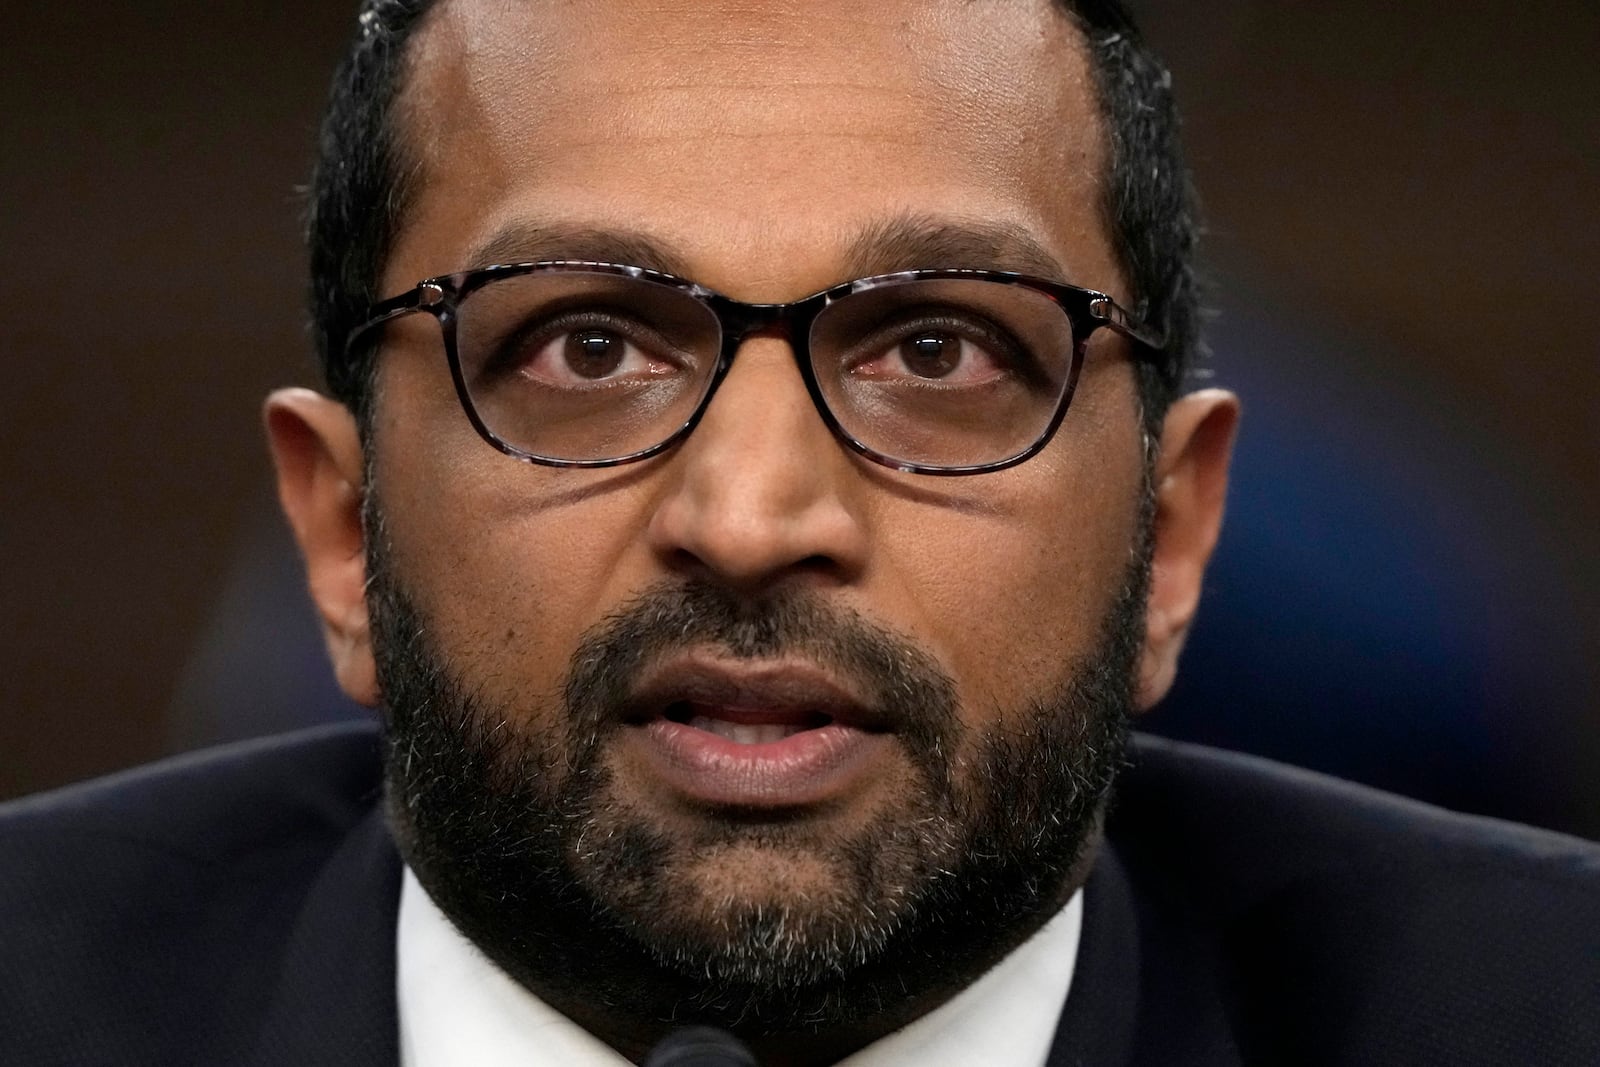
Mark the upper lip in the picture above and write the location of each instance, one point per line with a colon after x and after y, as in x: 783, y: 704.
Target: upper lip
x: 787, y: 691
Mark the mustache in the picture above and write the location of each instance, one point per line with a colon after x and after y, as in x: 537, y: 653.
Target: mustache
x: 908, y: 691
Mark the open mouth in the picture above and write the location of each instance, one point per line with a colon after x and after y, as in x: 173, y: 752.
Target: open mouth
x: 744, y: 727
x: 781, y: 734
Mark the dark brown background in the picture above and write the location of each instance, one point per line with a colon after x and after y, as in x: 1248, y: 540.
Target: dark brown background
x: 1419, y: 181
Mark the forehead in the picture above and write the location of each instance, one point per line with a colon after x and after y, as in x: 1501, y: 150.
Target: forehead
x: 758, y: 142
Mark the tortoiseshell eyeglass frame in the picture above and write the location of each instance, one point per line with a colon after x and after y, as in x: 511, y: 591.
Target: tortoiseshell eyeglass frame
x: 1087, y: 310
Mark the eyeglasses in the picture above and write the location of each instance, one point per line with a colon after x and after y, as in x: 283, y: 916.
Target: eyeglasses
x: 574, y: 364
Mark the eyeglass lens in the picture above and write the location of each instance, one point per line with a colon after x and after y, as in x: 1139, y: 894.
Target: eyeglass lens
x: 575, y: 365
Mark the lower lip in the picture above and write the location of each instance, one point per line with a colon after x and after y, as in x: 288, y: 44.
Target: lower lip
x: 808, y: 767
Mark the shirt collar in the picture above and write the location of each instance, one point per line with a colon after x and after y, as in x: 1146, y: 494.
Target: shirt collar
x: 456, y: 1006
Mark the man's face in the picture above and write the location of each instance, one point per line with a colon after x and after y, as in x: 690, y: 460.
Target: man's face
x: 611, y: 642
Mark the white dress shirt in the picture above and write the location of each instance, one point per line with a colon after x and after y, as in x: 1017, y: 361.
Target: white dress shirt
x: 457, y: 1009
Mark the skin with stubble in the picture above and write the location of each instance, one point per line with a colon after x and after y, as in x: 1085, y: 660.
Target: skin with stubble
x: 541, y: 636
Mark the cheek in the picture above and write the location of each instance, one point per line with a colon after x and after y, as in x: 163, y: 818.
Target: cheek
x: 1014, y: 594
x: 508, y: 563
x: 1007, y: 609
x: 510, y: 593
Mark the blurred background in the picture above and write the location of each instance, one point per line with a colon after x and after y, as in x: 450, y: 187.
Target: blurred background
x: 1405, y: 231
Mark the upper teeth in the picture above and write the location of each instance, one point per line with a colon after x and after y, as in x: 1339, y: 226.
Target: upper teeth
x: 743, y: 734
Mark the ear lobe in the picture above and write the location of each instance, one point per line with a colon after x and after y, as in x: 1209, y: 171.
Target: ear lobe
x: 316, y: 451
x: 1191, y: 488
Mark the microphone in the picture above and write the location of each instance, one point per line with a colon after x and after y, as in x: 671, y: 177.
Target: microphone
x: 700, y: 1046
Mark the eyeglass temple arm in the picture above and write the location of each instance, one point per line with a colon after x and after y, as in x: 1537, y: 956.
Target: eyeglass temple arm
x: 1120, y: 319
x: 425, y: 295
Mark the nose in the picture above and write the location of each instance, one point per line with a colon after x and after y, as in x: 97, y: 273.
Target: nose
x: 761, y: 491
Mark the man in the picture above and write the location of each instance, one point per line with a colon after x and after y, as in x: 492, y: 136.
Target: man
x: 756, y: 491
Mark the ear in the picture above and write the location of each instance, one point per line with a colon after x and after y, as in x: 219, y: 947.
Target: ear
x: 1191, y: 485
x: 317, y: 452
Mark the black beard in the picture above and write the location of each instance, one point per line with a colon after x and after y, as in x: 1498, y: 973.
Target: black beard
x: 505, y: 816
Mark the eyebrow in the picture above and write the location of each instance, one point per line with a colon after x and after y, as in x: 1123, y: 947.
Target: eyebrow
x: 900, y: 243
x: 912, y: 242
x: 532, y: 241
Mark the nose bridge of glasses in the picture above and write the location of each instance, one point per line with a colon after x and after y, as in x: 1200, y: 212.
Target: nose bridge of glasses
x: 785, y: 322
x: 788, y: 323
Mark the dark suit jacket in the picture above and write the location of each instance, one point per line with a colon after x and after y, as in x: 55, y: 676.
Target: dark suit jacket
x: 239, y: 906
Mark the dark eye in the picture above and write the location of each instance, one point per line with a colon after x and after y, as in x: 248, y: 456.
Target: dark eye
x: 583, y: 347
x: 949, y: 347
x: 594, y: 353
x: 932, y: 354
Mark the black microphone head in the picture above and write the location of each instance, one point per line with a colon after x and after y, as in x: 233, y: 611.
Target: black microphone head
x: 700, y: 1046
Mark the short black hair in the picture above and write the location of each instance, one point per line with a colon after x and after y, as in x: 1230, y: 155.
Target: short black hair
x: 362, y: 181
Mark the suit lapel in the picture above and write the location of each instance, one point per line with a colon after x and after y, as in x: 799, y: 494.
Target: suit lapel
x: 1149, y: 985
x: 1098, y: 1019
x: 335, y: 1001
